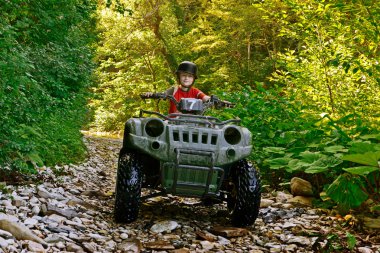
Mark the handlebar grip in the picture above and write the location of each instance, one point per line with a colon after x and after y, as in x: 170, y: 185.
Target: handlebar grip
x: 221, y: 103
x: 153, y: 95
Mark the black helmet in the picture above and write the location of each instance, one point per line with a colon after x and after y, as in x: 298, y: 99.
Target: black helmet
x: 187, y: 67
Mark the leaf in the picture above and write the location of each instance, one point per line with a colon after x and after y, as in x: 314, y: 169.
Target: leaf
x: 351, y: 241
x: 335, y: 149
x: 278, y: 163
x: 295, y: 165
x: 310, y: 157
x: 370, y: 136
x: 363, y: 147
x: 368, y: 158
x: 361, y: 170
x: 34, y: 157
x: 316, y: 169
x: 346, y: 190
x: 276, y: 150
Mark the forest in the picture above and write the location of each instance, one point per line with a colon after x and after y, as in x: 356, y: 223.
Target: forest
x: 304, y: 75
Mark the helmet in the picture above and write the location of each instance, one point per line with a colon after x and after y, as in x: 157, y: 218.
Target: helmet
x: 187, y: 67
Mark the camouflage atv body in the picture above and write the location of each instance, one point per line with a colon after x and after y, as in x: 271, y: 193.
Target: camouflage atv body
x: 188, y: 155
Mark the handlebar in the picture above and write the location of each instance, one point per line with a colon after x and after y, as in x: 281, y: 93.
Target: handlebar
x: 214, y: 100
x: 154, y: 95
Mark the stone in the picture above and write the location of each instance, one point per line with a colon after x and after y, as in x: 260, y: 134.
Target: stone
x: 35, y: 247
x: 159, y: 245
x: 164, y: 226
x: 131, y: 246
x: 68, y: 213
x: 229, y: 231
x: 283, y: 197
x: 301, y: 187
x: 20, y: 232
x: 301, y: 201
x: 72, y: 247
x: 364, y: 250
x: 206, y: 245
x: 206, y: 236
x: 266, y: 203
x: 5, y: 234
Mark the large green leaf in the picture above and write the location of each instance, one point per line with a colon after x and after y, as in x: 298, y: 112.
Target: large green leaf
x: 335, y: 149
x: 368, y: 158
x: 370, y: 136
x: 276, y: 150
x: 310, y: 157
x: 363, y: 147
x: 347, y: 191
x: 295, y: 165
x: 278, y: 163
x: 361, y: 170
x: 316, y: 169
x: 323, y: 164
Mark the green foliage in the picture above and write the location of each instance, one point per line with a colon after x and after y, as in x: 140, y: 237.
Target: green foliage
x: 46, y: 66
x: 338, y: 242
x: 347, y: 191
x: 303, y: 74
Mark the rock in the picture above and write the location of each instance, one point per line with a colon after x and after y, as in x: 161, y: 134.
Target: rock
x: 301, y: 201
x: 229, y: 231
x: 266, y: 203
x: 164, y: 226
x: 72, y: 247
x: 5, y: 234
x: 68, y: 213
x: 283, y: 197
x: 4, y: 243
x: 301, y: 187
x: 34, y: 247
x: 131, y: 246
x: 30, y: 221
x: 206, y: 245
x: 20, y: 232
x: 183, y: 250
x: 206, y: 236
x: 300, y: 240
x: 159, y: 245
x: 364, y: 250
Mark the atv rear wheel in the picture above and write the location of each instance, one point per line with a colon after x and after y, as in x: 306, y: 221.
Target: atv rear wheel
x: 244, y: 197
x: 128, y: 187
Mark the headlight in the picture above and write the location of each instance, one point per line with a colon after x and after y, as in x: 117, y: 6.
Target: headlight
x: 232, y: 135
x: 154, y: 127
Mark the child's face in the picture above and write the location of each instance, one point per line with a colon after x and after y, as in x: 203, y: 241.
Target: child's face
x: 186, y: 79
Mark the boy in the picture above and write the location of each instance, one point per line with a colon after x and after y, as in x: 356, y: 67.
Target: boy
x: 186, y: 75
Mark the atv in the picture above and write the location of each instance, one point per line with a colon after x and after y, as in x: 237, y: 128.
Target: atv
x: 187, y: 154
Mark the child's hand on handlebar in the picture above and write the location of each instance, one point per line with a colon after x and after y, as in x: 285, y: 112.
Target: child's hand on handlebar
x: 146, y: 95
x: 228, y: 104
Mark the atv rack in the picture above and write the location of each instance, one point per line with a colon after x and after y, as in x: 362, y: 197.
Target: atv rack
x: 190, y: 118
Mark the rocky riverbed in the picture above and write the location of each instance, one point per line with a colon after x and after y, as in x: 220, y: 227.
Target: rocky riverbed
x: 69, y: 209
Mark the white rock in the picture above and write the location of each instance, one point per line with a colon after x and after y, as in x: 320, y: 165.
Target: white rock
x: 364, y: 250
x: 206, y: 245
x: 124, y: 236
x: 164, y: 226
x: 30, y: 222
x: 3, y: 243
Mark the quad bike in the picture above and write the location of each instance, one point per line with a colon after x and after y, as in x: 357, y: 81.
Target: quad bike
x: 187, y: 154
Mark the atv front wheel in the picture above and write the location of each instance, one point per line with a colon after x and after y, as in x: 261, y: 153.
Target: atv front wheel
x: 128, y: 187
x: 244, y: 197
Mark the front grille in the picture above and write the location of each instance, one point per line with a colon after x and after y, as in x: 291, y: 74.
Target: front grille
x: 194, y: 137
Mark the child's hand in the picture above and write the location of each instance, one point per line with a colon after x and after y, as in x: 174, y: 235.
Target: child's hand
x: 147, y: 95
x: 228, y: 104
